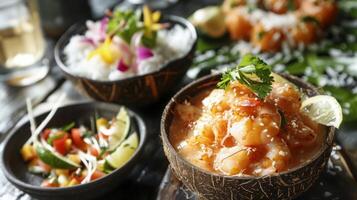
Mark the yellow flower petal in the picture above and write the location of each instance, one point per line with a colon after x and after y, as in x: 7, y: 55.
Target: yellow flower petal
x: 156, y: 27
x: 106, y: 53
x: 147, y: 16
x: 156, y: 16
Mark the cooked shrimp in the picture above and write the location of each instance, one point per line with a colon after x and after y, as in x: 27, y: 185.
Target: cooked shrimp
x: 267, y: 40
x: 187, y: 112
x: 228, y: 5
x: 238, y: 24
x: 304, y: 33
x: 199, y: 158
x: 324, y: 11
x: 231, y: 161
x: 281, y: 6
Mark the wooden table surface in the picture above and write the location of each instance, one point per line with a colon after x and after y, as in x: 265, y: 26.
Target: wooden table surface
x: 12, y: 109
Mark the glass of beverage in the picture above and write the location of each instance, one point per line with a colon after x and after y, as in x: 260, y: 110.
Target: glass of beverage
x: 22, y: 44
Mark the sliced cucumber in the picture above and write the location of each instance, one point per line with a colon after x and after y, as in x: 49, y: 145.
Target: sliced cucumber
x: 55, y: 159
x: 124, y: 152
x: 121, y: 127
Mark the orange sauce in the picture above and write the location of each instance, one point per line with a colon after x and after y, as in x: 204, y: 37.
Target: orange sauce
x: 232, y: 132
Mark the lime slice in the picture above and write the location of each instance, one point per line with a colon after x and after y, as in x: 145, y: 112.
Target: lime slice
x: 323, y: 109
x: 124, y: 152
x: 121, y: 129
x: 210, y: 21
x: 55, y: 159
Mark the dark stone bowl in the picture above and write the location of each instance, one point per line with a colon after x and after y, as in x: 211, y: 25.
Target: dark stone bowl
x: 207, y: 185
x: 15, y: 169
x: 138, y: 90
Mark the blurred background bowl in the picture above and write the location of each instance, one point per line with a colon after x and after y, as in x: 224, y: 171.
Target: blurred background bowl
x: 138, y: 90
x: 16, y: 171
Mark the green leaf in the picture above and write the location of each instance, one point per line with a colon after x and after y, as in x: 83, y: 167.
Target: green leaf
x: 291, y: 5
x: 124, y: 24
x: 251, y: 72
x: 149, y: 42
x: 54, y: 137
x: 310, y: 19
x: 68, y: 126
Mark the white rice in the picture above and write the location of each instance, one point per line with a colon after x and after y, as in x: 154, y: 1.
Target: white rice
x: 171, y: 44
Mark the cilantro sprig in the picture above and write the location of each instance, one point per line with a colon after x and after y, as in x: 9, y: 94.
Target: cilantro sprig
x: 251, y: 72
x: 124, y: 24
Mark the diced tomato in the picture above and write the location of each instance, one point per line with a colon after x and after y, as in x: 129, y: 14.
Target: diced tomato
x: 44, y: 166
x: 93, y: 151
x: 46, y: 133
x: 97, y: 174
x: 60, y: 145
x: 77, y: 139
x: 46, y: 183
x: 78, y: 178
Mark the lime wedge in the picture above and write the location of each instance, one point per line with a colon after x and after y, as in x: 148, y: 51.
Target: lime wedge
x: 323, y: 109
x: 55, y: 159
x: 121, y: 129
x: 210, y: 21
x: 124, y: 152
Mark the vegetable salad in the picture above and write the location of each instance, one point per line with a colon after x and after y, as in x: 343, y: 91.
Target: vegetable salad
x: 75, y: 154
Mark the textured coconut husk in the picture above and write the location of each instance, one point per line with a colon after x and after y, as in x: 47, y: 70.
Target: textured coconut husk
x: 207, y: 185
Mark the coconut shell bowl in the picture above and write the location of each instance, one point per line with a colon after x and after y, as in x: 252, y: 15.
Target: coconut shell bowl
x: 138, y: 90
x: 207, y: 185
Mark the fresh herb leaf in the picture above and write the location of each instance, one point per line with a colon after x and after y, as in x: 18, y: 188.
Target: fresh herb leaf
x: 124, y: 24
x: 310, y: 19
x: 261, y: 35
x: 291, y: 5
x: 88, y: 134
x: 251, y: 72
x: 68, y: 126
x: 149, y: 41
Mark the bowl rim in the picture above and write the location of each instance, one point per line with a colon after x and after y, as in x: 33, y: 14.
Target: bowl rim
x: 64, y: 39
x: 37, y: 188
x: 207, y: 80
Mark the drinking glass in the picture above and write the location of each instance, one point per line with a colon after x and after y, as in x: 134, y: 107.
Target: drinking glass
x: 22, y: 44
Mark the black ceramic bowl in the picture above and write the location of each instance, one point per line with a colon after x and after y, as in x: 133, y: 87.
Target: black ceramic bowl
x: 15, y: 169
x: 212, y: 186
x: 137, y: 90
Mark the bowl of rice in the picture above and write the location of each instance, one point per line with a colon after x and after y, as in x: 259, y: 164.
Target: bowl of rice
x: 124, y: 60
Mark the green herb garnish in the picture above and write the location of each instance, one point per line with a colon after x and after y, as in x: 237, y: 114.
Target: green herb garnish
x: 251, y: 72
x: 124, y: 24
x: 261, y: 34
x: 68, y: 127
x: 310, y: 19
x: 291, y: 5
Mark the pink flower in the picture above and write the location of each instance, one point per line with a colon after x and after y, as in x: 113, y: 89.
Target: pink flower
x: 122, y: 66
x: 143, y: 53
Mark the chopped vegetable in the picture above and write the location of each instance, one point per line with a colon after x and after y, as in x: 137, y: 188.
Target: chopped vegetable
x: 74, y: 155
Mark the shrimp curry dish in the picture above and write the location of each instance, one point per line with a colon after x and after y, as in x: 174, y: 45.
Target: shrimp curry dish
x: 243, y: 128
